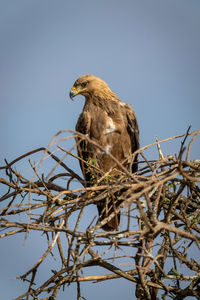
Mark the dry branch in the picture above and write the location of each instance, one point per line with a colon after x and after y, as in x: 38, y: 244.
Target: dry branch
x: 159, y: 234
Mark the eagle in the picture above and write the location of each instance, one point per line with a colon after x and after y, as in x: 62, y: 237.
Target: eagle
x: 111, y: 130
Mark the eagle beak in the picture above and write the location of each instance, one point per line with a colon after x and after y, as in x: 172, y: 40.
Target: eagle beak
x: 73, y: 93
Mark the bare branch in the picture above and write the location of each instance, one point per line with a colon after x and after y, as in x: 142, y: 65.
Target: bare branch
x: 160, y: 203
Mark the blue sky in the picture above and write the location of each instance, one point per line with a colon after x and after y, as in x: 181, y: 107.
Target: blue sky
x: 147, y: 51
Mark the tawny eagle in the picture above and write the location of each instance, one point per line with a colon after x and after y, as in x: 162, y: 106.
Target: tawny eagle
x: 111, y: 124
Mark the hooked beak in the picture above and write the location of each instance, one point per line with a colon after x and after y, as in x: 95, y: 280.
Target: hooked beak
x: 73, y: 93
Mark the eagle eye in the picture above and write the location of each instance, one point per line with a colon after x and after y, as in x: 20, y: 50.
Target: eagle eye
x: 84, y: 84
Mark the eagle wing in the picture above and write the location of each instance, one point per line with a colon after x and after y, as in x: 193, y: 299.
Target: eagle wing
x: 83, y: 126
x: 133, y: 131
x: 123, y: 140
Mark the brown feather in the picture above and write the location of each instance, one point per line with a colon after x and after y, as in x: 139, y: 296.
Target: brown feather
x: 113, y: 125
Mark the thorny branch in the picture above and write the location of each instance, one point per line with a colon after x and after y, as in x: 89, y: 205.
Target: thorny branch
x: 159, y: 234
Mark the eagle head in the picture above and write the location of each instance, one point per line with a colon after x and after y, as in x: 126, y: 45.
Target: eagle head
x: 86, y: 85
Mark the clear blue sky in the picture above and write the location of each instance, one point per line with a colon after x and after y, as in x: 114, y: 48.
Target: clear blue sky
x: 148, y: 51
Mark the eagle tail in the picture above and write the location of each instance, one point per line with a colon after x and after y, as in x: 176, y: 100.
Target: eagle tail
x: 105, y: 209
